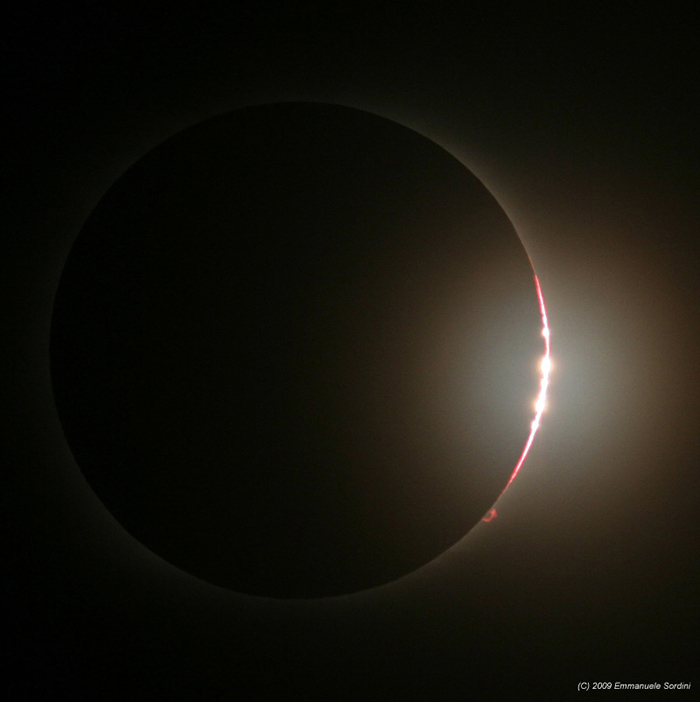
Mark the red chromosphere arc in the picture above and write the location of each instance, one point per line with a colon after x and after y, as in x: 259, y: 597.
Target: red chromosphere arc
x: 545, y: 366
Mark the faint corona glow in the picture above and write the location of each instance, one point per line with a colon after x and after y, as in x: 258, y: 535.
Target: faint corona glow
x: 540, y: 404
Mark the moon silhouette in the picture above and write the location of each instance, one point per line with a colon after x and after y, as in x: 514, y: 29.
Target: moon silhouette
x: 294, y: 350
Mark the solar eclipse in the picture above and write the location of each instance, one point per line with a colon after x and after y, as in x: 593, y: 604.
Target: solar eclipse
x: 292, y: 350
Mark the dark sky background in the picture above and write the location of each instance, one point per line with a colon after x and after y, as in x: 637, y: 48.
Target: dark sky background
x: 582, y: 125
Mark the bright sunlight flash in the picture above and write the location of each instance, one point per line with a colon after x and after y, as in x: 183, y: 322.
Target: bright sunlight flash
x: 540, y: 404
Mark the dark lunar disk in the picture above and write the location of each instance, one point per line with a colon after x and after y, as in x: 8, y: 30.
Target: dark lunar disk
x: 294, y: 350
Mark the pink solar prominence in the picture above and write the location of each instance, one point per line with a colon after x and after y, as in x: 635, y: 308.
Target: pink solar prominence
x: 540, y: 404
